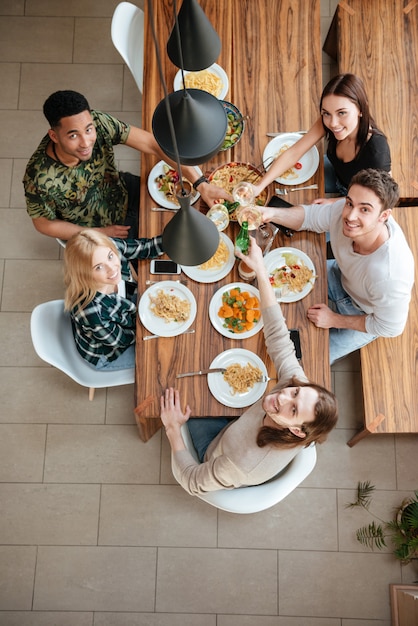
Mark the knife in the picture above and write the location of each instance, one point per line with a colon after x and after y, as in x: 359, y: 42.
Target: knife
x: 299, y: 132
x: 215, y: 369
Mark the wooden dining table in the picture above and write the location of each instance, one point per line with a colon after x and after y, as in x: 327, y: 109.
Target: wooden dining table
x: 271, y: 53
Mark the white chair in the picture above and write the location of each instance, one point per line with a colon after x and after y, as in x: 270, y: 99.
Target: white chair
x: 258, y: 497
x: 127, y: 32
x: 53, y: 340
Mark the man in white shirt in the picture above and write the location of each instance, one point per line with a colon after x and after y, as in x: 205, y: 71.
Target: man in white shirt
x: 370, y: 281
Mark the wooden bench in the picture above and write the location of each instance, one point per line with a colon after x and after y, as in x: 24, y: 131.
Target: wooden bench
x: 389, y: 365
x: 378, y: 41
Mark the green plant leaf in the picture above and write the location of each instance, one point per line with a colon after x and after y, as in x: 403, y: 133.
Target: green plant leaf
x: 364, y: 495
x: 371, y: 536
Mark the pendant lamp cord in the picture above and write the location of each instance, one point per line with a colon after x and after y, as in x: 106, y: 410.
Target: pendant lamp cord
x: 166, y: 100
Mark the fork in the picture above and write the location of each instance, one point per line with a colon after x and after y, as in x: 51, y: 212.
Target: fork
x: 155, y: 282
x: 284, y: 192
x: 160, y: 208
x: 186, y: 332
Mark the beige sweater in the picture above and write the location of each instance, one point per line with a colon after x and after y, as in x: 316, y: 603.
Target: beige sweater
x: 233, y: 458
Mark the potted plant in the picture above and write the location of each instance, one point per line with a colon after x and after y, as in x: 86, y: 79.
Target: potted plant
x: 402, y: 530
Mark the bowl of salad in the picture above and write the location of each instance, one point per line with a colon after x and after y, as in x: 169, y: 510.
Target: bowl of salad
x: 235, y: 127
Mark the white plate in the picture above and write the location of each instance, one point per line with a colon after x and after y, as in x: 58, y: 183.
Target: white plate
x: 215, y: 69
x: 221, y: 390
x: 157, y: 325
x: 309, y: 161
x: 159, y: 196
x: 275, y: 259
x: 216, y: 303
x: 212, y: 276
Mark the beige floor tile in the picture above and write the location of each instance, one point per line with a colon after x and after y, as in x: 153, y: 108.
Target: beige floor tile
x: 144, y: 619
x: 351, y: 585
x: 32, y: 126
x: 12, y: 7
x: 241, y: 620
x: 351, y: 519
x: 217, y: 581
x: 2, y: 263
x: 30, y: 244
x: 120, y: 405
x: 47, y: 396
x: 36, y: 40
x: 45, y: 618
x: 89, y: 579
x: 94, y: 454
x: 75, y: 7
x: 406, y: 461
x: 49, y: 514
x: 28, y: 283
x: 17, y: 193
x: 39, y: 80
x: 142, y: 515
x: 366, y: 622
x: 5, y: 181
x: 17, y: 571
x: 284, y: 525
x: 15, y: 343
x: 340, y: 466
x: 9, y: 77
x: 348, y: 389
x: 22, y: 450
x: 167, y: 477
x: 86, y: 49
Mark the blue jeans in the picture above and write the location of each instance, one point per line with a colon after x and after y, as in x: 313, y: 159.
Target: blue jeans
x: 342, y: 341
x: 203, y: 430
x: 125, y: 361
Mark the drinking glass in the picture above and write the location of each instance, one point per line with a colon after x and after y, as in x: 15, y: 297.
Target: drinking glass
x: 250, y: 214
x: 243, y: 193
x: 219, y: 215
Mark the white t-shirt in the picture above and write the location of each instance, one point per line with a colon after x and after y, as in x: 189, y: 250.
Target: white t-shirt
x: 380, y: 283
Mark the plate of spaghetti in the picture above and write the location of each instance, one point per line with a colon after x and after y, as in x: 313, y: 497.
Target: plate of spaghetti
x: 242, y: 383
x: 301, y: 171
x: 167, y: 308
x: 213, y: 79
x: 234, y: 311
x: 217, y: 267
x: 292, y: 273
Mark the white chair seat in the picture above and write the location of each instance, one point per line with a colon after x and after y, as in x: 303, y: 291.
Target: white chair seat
x: 127, y: 32
x: 258, y: 497
x: 53, y: 340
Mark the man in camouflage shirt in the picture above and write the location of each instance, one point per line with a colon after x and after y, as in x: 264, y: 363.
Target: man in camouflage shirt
x: 72, y: 182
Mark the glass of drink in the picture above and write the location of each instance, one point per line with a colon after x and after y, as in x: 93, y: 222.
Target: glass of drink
x: 243, y: 193
x: 250, y: 214
x: 219, y: 215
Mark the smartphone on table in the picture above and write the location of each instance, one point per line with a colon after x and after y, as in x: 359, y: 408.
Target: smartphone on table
x: 164, y: 266
x: 295, y: 337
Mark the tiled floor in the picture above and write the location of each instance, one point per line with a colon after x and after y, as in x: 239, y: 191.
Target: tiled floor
x: 93, y: 528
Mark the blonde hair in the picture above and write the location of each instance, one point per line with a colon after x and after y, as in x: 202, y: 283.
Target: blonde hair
x: 80, y: 287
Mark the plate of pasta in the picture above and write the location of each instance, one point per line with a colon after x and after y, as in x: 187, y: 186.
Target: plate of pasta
x: 217, y: 267
x: 213, y: 79
x: 301, y: 171
x: 244, y: 381
x: 234, y: 311
x: 230, y: 174
x: 292, y: 273
x: 161, y: 181
x: 167, y: 308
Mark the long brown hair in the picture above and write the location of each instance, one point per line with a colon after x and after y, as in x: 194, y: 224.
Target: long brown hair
x: 78, y: 276
x: 325, y: 418
x: 352, y: 87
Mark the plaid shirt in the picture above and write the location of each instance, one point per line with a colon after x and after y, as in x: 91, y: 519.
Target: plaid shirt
x: 106, y: 326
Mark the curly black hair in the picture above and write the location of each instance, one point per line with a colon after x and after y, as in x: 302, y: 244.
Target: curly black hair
x: 63, y: 104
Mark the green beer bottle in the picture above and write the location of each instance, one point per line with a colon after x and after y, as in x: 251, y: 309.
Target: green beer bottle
x: 243, y: 240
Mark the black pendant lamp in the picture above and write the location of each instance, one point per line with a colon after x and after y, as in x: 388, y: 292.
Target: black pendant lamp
x: 199, y: 118
x: 200, y: 43
x: 190, y: 238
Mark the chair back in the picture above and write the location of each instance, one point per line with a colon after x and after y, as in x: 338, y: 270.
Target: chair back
x: 257, y: 498
x: 127, y: 32
x: 53, y: 341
